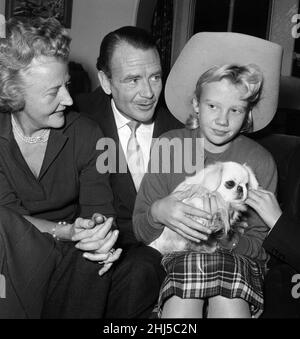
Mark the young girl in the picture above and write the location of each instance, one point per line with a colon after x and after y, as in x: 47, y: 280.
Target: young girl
x: 225, y: 103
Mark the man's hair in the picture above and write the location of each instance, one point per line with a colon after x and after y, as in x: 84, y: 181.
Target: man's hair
x: 134, y: 36
x: 247, y: 77
x: 25, y: 40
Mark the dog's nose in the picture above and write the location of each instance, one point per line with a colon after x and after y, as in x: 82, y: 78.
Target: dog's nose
x: 240, y: 191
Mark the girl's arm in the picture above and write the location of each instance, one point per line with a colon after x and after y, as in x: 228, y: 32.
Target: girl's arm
x: 156, y: 208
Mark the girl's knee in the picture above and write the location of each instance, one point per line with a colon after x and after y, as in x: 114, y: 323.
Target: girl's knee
x: 176, y: 307
x: 222, y: 307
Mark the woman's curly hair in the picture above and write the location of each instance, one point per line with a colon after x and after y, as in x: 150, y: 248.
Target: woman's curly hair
x: 25, y: 40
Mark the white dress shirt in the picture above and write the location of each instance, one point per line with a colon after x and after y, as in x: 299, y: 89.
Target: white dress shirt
x: 143, y: 133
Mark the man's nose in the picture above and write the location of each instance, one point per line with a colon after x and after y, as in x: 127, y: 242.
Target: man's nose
x: 146, y: 90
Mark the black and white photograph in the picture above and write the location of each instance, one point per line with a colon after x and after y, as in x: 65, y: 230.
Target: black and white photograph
x: 149, y: 162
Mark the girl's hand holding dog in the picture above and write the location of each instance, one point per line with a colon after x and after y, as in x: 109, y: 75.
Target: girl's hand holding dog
x: 95, y: 237
x: 178, y: 216
x: 265, y: 204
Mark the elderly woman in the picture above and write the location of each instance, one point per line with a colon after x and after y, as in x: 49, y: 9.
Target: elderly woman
x: 48, y: 176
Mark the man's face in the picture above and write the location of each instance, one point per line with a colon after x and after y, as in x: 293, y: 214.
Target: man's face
x: 135, y: 82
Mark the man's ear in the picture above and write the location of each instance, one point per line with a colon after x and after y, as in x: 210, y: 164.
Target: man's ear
x: 104, y: 82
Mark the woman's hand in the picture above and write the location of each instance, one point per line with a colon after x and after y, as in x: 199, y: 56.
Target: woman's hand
x: 178, y: 216
x: 265, y: 204
x: 95, y: 237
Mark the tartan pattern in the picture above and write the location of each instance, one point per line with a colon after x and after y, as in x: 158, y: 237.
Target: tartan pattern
x: 135, y: 159
x: 193, y: 275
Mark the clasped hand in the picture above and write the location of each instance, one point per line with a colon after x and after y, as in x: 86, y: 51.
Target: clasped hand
x: 95, y: 237
x: 186, y: 220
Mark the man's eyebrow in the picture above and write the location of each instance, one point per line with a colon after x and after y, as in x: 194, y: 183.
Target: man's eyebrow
x: 131, y: 76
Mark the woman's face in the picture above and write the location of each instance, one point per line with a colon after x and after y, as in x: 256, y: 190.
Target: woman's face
x: 45, y: 93
x: 221, y: 114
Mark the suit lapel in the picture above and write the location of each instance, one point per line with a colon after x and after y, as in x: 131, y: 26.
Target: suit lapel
x: 108, y: 125
x: 159, y: 125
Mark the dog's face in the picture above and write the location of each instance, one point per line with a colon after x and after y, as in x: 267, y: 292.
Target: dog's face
x: 231, y: 179
x: 235, y: 180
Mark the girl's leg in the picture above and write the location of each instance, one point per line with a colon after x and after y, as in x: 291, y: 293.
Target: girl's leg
x: 221, y: 307
x: 176, y: 307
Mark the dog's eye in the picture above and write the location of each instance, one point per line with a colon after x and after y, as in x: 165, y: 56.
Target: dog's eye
x: 229, y: 184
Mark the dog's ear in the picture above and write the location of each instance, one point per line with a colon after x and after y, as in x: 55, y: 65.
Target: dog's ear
x: 208, y: 178
x: 211, y: 176
x: 253, y: 183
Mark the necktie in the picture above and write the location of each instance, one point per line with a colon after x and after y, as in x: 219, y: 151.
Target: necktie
x: 135, y: 159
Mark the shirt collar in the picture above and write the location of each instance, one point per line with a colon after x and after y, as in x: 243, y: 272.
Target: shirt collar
x: 120, y: 119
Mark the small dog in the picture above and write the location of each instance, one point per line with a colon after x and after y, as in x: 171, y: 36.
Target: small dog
x: 229, y: 182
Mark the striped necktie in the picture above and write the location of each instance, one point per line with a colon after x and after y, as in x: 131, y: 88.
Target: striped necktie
x: 135, y: 158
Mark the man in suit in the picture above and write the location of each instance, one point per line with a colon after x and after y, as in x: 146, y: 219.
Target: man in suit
x: 130, y: 75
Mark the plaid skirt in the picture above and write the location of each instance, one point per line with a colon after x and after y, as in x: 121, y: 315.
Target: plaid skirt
x: 194, y: 275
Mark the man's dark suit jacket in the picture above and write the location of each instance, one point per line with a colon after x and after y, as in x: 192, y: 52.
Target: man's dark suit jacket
x: 283, y: 243
x: 97, y: 105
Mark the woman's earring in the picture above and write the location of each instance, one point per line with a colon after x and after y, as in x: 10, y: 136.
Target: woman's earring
x: 248, y: 123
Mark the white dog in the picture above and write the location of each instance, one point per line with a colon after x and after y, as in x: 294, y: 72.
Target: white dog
x: 229, y: 182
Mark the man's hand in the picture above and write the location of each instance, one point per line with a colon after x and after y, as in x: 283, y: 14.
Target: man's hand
x: 265, y: 204
x: 96, y: 239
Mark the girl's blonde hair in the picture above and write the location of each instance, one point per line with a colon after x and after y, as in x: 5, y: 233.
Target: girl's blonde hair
x: 249, y: 77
